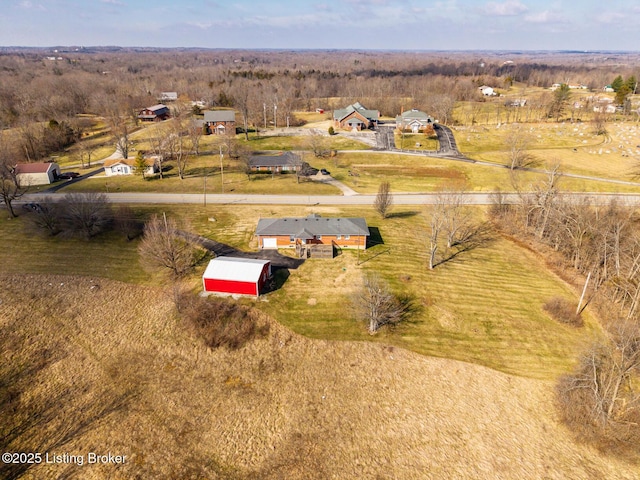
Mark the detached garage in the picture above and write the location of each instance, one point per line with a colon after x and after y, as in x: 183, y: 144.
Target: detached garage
x: 236, y: 276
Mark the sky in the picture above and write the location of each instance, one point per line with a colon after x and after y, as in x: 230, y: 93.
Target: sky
x: 325, y: 24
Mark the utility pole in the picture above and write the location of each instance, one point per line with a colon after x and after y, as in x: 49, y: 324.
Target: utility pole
x: 275, y: 118
x: 205, y: 186
x: 264, y: 109
x: 221, y: 172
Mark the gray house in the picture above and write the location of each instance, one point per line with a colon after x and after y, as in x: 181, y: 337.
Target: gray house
x: 414, y: 121
x: 285, y: 162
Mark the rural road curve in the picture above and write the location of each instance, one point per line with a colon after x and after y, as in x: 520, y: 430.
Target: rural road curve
x: 398, y: 198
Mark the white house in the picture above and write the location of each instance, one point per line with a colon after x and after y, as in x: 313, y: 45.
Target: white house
x: 29, y: 174
x: 128, y: 167
x: 487, y: 91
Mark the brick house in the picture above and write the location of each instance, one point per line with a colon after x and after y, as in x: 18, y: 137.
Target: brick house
x: 312, y: 230
x: 219, y: 122
x: 285, y: 162
x: 355, y: 117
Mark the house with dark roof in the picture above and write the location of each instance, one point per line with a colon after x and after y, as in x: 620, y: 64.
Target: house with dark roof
x: 285, y: 162
x: 291, y: 232
x: 355, y: 117
x: 31, y: 174
x: 220, y: 122
x: 156, y: 113
x: 415, y: 121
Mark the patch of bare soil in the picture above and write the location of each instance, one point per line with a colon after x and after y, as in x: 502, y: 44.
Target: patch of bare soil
x: 100, y: 366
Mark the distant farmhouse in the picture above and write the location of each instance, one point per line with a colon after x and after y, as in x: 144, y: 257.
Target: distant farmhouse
x: 312, y: 230
x: 128, y: 167
x: 286, y: 162
x: 155, y: 113
x: 414, y: 121
x: 168, y: 97
x: 220, y: 122
x: 355, y: 117
x: 487, y: 91
x: 28, y: 174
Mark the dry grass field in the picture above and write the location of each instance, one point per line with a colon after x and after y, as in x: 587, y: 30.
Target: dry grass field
x: 573, y: 146
x: 102, y: 366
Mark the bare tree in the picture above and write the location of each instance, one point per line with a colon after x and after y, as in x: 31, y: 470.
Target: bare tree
x: 120, y: 130
x: 436, y: 224
x: 377, y: 305
x: 85, y: 214
x: 603, y: 385
x: 384, y: 199
x: 10, y: 187
x: 517, y: 143
x: 165, y: 248
x: 319, y: 144
x: 47, y: 216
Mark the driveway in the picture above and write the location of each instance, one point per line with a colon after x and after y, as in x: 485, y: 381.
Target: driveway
x: 328, y: 179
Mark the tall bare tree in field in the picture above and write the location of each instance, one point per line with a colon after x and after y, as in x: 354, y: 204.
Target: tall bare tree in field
x: 377, y: 305
x: 384, y: 199
x: 165, y: 248
x: 604, y: 386
x: 517, y: 143
x: 10, y: 187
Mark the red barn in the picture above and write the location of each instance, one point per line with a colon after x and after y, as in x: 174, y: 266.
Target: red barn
x: 237, y: 276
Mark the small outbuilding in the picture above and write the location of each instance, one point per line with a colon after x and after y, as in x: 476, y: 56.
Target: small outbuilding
x: 30, y: 174
x: 236, y: 276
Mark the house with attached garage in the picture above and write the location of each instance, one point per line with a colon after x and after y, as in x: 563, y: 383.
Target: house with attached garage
x: 355, y: 117
x: 31, y: 174
x: 414, y: 121
x: 219, y: 122
x: 285, y: 162
x: 292, y: 232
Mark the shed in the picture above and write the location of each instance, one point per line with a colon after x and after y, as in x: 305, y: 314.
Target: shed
x: 29, y: 174
x: 237, y: 276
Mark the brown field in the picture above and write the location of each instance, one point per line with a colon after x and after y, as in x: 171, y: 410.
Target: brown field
x: 102, y: 366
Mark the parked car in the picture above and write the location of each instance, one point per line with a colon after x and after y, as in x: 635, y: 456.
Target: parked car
x: 68, y: 175
x: 324, y: 171
x: 32, y: 207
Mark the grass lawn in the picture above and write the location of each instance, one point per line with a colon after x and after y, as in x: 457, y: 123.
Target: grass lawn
x: 109, y: 255
x: 484, y: 307
x: 416, y: 141
x: 194, y: 181
x: 573, y: 146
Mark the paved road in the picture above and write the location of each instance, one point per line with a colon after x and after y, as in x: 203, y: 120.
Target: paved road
x: 398, y: 198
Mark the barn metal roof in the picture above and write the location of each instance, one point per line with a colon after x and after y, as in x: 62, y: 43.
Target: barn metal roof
x: 235, y: 269
x: 35, y: 167
x: 312, y: 225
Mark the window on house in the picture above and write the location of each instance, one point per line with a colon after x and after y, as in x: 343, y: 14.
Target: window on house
x: 347, y: 237
x: 318, y: 237
x: 338, y: 237
x: 291, y: 239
